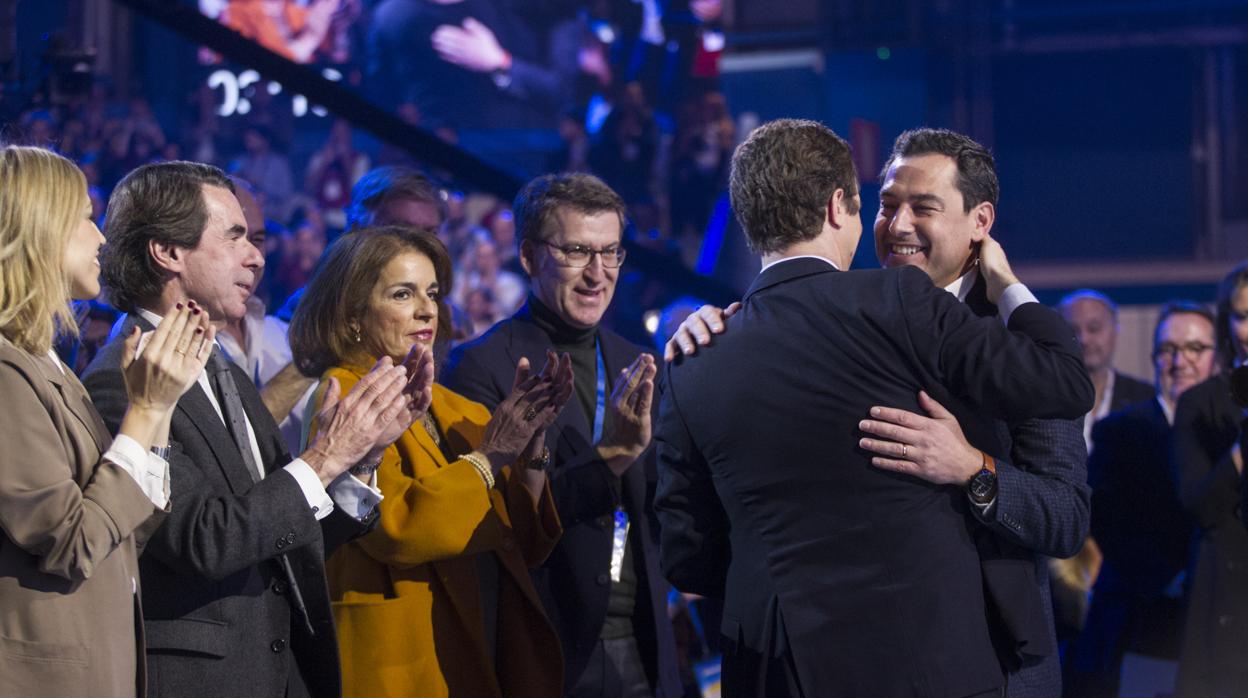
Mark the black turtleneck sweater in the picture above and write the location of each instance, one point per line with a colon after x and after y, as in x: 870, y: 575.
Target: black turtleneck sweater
x: 581, y: 346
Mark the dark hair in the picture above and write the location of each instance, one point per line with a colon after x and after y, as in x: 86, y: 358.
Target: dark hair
x: 540, y: 198
x: 321, y: 334
x: 782, y: 177
x: 977, y: 174
x: 1232, y: 282
x: 1178, y: 307
x: 380, y: 186
x: 162, y: 202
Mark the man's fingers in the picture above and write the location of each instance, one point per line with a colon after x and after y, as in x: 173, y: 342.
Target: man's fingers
x: 371, y: 385
x: 645, y: 393
x: 933, y: 408
x: 732, y: 309
x: 709, y: 318
x: 131, y: 347
x: 522, y: 373
x: 701, y: 329
x: 890, y: 449
x: 333, y: 390
x: 897, y: 466
x: 890, y: 431
x: 670, y: 350
x: 897, y: 416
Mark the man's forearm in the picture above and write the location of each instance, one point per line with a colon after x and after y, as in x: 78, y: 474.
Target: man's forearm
x: 283, y: 391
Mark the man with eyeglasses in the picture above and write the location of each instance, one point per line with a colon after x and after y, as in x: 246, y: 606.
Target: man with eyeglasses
x: 1139, y: 522
x: 601, y: 586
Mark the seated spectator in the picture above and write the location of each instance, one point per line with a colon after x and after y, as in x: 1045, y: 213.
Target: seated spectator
x: 267, y: 169
x: 438, y: 599
x: 1137, y: 519
x: 481, y: 269
x: 332, y: 171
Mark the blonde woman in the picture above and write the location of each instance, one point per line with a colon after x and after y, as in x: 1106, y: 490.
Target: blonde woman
x: 74, y: 502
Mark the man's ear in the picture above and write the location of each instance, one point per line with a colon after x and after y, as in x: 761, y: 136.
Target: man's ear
x: 837, y: 209
x: 527, y: 249
x: 982, y: 217
x: 169, y: 257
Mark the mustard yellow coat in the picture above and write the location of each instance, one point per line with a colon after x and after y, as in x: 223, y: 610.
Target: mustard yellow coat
x: 406, y: 597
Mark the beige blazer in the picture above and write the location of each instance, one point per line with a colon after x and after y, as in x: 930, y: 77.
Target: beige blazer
x: 69, y: 617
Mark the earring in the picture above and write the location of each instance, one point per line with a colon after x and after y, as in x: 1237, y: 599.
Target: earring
x: 356, y: 335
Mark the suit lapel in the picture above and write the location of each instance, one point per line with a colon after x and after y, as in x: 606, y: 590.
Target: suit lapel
x: 196, y: 408
x: 75, y: 399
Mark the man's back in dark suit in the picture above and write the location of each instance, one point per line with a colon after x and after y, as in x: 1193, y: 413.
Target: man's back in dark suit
x: 869, y: 580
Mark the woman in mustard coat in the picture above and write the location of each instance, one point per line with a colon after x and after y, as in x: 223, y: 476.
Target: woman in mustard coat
x: 437, y: 600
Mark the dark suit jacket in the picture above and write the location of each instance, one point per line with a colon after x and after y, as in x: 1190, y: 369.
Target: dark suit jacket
x: 869, y: 580
x: 1145, y: 536
x: 221, y: 615
x: 1128, y: 391
x: 1042, y: 511
x: 1206, y: 424
x: 574, y: 582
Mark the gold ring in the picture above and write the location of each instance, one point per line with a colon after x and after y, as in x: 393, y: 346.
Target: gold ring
x: 530, y: 414
x: 903, y: 450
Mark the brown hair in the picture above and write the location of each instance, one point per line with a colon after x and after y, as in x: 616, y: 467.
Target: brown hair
x: 541, y: 197
x: 320, y: 331
x: 162, y: 202
x: 382, y: 185
x: 782, y: 178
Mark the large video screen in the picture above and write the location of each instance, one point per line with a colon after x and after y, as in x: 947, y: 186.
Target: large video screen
x: 456, y: 64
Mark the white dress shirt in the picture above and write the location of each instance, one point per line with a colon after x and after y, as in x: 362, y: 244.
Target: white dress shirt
x: 356, y: 498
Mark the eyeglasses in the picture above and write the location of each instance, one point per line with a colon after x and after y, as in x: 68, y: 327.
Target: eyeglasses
x: 1191, y: 351
x: 579, y: 256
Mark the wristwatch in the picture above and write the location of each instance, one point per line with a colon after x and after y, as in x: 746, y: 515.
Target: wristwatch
x: 982, y: 488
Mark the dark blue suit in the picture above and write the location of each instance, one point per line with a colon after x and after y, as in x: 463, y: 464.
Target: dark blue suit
x: 1042, y: 511
x: 840, y: 578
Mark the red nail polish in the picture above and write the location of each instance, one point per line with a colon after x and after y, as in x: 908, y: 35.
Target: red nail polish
x: 195, y: 311
x: 178, y: 306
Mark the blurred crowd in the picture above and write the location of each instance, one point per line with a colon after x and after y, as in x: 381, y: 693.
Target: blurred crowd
x: 643, y: 112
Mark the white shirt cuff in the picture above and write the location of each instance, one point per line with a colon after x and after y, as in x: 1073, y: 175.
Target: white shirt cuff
x: 1012, y: 297
x: 357, y: 499
x: 150, y: 471
x: 318, y: 499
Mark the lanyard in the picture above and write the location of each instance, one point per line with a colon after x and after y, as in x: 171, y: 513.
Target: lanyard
x: 600, y: 411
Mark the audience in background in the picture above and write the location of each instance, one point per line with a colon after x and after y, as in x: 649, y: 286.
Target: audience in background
x: 1140, y: 525
x: 1094, y: 319
x: 1210, y: 466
